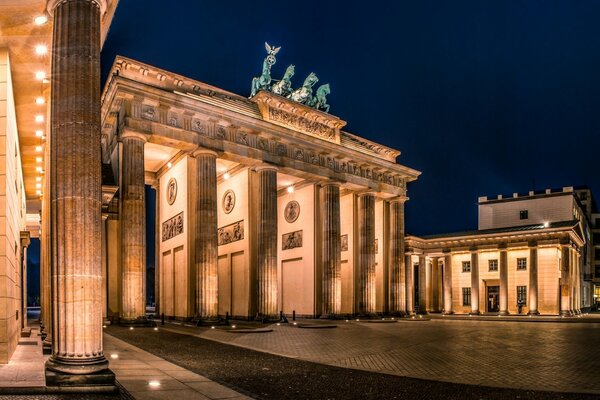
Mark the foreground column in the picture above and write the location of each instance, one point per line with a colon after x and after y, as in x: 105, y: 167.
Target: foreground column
x: 435, y: 291
x: 133, y: 228
x: 474, y: 282
x: 77, y: 357
x: 448, y: 283
x: 205, y: 224
x: 410, y: 285
x: 266, y: 231
x: 422, y: 285
x: 396, y: 252
x: 25, y: 240
x: 533, y: 280
x: 503, y: 281
x: 331, y: 250
x: 565, y: 284
x: 366, y: 255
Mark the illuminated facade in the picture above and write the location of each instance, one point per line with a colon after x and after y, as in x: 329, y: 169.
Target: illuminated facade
x: 527, y: 257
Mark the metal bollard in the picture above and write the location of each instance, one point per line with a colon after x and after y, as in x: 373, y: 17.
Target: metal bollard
x: 162, y: 319
x: 293, y: 315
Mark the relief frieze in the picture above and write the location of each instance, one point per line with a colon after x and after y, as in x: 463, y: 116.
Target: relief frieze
x: 231, y: 233
x: 291, y: 240
x: 305, y: 125
x: 172, y: 227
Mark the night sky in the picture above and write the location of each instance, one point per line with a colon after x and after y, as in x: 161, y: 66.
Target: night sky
x: 482, y: 97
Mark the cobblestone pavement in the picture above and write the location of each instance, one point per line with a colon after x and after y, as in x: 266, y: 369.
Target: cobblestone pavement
x: 534, y: 356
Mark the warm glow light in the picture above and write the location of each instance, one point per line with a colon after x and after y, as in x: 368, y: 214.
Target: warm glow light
x: 169, y: 165
x: 39, y: 169
x: 226, y: 175
x: 38, y: 148
x: 155, y: 329
x: 114, y: 355
x: 41, y: 49
x: 546, y: 224
x: 154, y: 383
x: 233, y: 326
x: 38, y: 178
x: 40, y: 20
x: 39, y: 192
x: 39, y: 100
x: 39, y: 159
x: 131, y: 328
x: 38, y: 185
x: 290, y: 189
x: 40, y: 75
x: 39, y: 133
x: 39, y: 118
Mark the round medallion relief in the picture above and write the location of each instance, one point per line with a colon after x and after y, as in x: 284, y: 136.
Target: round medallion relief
x: 292, y: 211
x: 171, y: 191
x: 228, y: 201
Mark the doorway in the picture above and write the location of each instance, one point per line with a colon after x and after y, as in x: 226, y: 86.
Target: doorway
x: 493, y: 298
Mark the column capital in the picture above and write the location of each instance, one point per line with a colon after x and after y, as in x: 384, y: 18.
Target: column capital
x: 200, y: 151
x: 330, y: 183
x: 52, y: 4
x: 474, y: 249
x: 532, y: 244
x: 502, y: 247
x: 398, y: 199
x: 25, y: 238
x: 133, y: 135
x: 367, y: 193
x: 265, y: 167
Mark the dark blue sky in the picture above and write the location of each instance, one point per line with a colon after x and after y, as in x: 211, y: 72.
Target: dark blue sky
x: 483, y: 97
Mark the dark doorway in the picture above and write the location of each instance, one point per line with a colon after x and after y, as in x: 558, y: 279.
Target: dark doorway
x: 493, y: 298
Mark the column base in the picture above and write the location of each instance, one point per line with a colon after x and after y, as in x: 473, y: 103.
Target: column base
x: 423, y: 312
x: 99, y: 382
x: 141, y: 322
x: 565, y: 313
x: 503, y: 313
x: 533, y: 312
x: 474, y: 313
x: 46, y: 348
x: 448, y: 312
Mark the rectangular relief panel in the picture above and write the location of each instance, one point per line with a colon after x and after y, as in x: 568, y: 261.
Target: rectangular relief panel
x: 291, y: 240
x: 231, y: 233
x: 172, y: 227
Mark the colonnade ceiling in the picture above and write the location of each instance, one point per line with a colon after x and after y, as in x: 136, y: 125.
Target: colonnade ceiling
x: 174, y: 111
x: 26, y: 31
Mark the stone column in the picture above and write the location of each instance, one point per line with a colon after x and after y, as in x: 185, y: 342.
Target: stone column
x: 474, y: 282
x: 435, y: 294
x: 503, y: 267
x: 266, y: 232
x: 75, y: 197
x: 448, y: 283
x: 396, y: 253
x: 133, y: 227
x: 533, y: 279
x: 366, y: 258
x: 565, y: 279
x: 205, y: 240
x: 423, y: 304
x: 410, y: 285
x: 331, y: 251
x: 25, y: 240
x: 157, y: 255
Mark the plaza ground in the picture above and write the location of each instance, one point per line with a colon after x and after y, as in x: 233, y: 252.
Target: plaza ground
x: 411, y: 360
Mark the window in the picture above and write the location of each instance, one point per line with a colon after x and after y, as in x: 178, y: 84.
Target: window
x: 466, y: 266
x: 521, y: 264
x: 466, y: 296
x: 524, y: 214
x: 522, y: 295
x: 493, y: 265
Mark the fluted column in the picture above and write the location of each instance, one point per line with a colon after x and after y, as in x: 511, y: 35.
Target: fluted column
x: 366, y: 256
x: 133, y: 227
x: 474, y: 282
x: 533, y: 280
x: 435, y: 293
x: 565, y: 286
x: 75, y: 196
x: 205, y: 225
x: 266, y: 231
x: 396, y: 253
x: 157, y: 254
x: 25, y: 240
x: 331, y: 250
x: 503, y: 267
x: 410, y: 285
x: 448, y: 283
x: 423, y: 304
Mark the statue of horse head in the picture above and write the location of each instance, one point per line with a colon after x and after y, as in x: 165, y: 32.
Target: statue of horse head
x: 289, y: 72
x: 323, y: 90
x: 310, y: 80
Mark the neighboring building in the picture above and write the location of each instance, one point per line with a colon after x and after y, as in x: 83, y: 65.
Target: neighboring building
x: 531, y: 253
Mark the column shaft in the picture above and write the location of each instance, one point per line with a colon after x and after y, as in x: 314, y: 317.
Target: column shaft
x: 565, y: 279
x: 366, y: 248
x: 503, y: 267
x: 133, y: 227
x: 435, y: 294
x: 448, y: 283
x: 157, y: 255
x: 205, y: 224
x: 410, y: 285
x: 474, y: 282
x: 533, y: 281
x: 396, y: 253
x: 267, y: 242
x: 331, y: 250
x: 76, y: 191
x: 423, y: 304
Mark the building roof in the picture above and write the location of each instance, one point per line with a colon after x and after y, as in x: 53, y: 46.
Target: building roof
x: 553, y: 225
